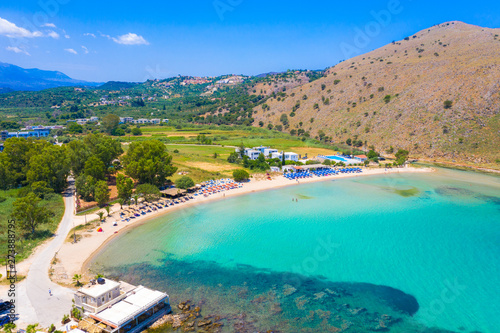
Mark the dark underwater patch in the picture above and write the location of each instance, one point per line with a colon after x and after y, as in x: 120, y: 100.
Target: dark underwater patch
x: 268, y: 300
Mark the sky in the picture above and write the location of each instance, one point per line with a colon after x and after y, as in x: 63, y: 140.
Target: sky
x: 111, y: 40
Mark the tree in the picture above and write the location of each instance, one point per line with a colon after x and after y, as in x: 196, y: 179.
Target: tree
x: 95, y: 167
x: 348, y: 142
x: 148, y: 162
x: 103, y: 147
x: 448, y: 104
x: 118, y: 132
x: 78, y: 153
x: 9, y: 327
x: 85, y: 187
x: 241, y: 149
x: 240, y: 175
x: 101, y: 215
x: 5, y: 173
x: 372, y: 154
x: 124, y: 185
x: 184, y: 182
x: 136, y: 131
x: 76, y: 280
x: 41, y: 189
x: 74, y: 128
x: 327, y: 162
x: 402, y: 156
x: 233, y: 157
x: 50, y: 165
x: 101, y: 193
x: 148, y: 191
x: 110, y: 123
x: 29, y: 214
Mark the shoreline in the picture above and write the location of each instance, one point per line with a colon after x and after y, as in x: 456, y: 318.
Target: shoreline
x: 76, y: 258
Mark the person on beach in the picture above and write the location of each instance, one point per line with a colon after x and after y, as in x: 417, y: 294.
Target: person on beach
x: 50, y: 292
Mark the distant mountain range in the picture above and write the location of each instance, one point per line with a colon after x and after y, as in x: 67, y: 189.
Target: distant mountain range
x: 17, y: 78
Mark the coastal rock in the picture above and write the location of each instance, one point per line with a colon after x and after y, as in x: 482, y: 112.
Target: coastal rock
x: 184, y: 306
x: 319, y: 295
x: 288, y: 290
x: 204, y: 322
x: 357, y: 311
x: 301, y: 301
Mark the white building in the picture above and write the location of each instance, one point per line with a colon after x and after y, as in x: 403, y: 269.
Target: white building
x: 252, y: 154
x: 289, y: 156
x: 120, y: 307
x: 266, y: 150
x: 126, y: 119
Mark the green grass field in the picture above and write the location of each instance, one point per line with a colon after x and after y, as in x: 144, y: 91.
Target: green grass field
x: 25, y: 243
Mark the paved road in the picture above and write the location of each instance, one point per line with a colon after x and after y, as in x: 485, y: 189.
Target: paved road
x: 35, y: 303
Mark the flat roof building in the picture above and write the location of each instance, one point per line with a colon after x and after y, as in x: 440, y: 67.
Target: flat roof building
x: 120, y: 307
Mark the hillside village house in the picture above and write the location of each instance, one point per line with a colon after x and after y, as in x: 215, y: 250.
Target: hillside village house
x: 35, y: 133
x: 120, y: 307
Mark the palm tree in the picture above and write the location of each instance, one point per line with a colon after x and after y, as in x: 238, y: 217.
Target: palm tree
x: 101, y: 215
x: 136, y: 199
x: 107, y: 209
x: 9, y: 327
x: 76, y: 280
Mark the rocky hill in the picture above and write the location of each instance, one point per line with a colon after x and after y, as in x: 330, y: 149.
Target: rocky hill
x: 436, y: 94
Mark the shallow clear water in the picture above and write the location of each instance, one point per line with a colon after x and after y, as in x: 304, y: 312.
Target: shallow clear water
x: 433, y: 236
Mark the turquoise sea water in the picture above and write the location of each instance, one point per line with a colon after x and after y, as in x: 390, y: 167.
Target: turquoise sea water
x: 433, y: 236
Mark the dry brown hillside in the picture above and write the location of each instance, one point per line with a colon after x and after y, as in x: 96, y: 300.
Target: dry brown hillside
x: 453, y: 61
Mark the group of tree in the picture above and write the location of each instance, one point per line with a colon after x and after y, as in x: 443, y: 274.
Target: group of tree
x: 259, y: 164
x: 148, y: 162
x: 25, y: 162
x: 93, y: 160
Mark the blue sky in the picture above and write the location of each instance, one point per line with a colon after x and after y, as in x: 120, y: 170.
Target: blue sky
x: 139, y: 40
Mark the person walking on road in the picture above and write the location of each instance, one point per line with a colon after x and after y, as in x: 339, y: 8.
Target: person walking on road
x: 50, y: 292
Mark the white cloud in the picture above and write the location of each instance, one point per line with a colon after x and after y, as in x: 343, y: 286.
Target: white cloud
x: 49, y: 25
x: 86, y: 50
x: 16, y: 50
x: 89, y: 34
x: 71, y: 51
x: 53, y: 34
x: 66, y: 36
x: 11, y: 30
x: 130, y: 39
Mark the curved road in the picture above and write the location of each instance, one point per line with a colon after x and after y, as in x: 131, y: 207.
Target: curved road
x: 35, y: 305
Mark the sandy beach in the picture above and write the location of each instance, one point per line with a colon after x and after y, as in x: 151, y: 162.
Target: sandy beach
x: 74, y: 258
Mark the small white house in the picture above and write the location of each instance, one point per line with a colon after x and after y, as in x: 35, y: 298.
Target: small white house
x: 269, y: 152
x: 261, y: 149
x: 276, y: 155
x: 289, y: 156
x: 252, y: 154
